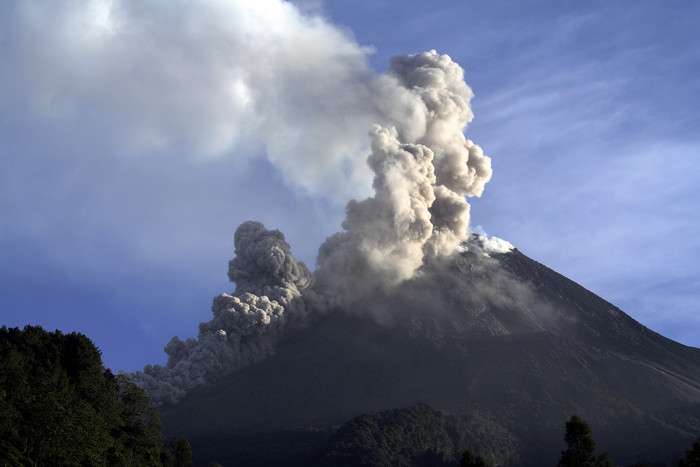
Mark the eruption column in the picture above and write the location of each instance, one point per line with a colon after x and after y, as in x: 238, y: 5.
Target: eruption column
x: 423, y: 168
x: 421, y: 179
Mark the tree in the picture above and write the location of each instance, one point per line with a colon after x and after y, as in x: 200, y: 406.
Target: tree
x: 183, y: 453
x: 9, y: 434
x: 52, y: 393
x: 137, y: 431
x: 580, y: 446
x: 469, y: 459
x: 692, y: 456
x: 59, y: 406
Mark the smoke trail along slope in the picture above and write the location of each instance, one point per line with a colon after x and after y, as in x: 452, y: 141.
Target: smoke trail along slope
x: 246, y: 324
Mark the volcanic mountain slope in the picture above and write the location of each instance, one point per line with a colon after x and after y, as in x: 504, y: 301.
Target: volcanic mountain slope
x: 499, y: 338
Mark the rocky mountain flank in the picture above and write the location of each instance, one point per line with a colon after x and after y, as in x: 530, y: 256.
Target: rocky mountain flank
x: 503, y: 343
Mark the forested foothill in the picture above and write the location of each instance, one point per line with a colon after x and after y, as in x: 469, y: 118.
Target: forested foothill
x: 416, y: 436
x: 60, y: 406
x: 422, y: 436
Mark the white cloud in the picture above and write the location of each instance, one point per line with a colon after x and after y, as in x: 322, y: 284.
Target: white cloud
x: 194, y: 79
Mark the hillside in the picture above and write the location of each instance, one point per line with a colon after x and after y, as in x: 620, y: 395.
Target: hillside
x: 502, y: 336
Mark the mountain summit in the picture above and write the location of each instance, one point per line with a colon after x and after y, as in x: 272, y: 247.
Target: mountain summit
x: 489, y: 336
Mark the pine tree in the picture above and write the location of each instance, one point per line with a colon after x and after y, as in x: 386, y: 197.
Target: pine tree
x: 183, y: 453
x: 580, y: 446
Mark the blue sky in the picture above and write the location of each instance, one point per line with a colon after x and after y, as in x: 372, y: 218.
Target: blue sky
x: 124, y: 173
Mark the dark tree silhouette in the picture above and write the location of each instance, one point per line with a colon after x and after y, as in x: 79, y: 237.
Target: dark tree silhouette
x: 580, y: 446
x: 60, y: 406
x: 692, y: 456
x: 183, y: 453
x: 469, y: 459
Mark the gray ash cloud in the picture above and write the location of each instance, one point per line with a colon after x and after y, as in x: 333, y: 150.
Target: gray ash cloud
x: 421, y: 165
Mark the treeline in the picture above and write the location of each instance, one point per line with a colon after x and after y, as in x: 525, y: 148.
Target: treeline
x: 580, y: 450
x: 60, y: 406
x: 422, y: 436
x: 415, y: 436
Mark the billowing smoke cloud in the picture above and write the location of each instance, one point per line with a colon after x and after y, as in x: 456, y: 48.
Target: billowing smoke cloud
x: 212, y: 78
x: 207, y: 79
x: 420, y: 183
x: 423, y: 169
x: 246, y: 325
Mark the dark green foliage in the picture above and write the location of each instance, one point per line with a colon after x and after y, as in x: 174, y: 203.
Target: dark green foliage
x: 391, y: 438
x: 137, y: 429
x: 59, y: 406
x: 469, y: 459
x: 167, y: 459
x: 414, y: 436
x: 183, y: 453
x: 603, y: 461
x: 580, y: 446
x: 579, y: 442
x: 692, y: 456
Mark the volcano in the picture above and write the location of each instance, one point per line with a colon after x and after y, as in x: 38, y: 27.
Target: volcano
x: 497, y: 347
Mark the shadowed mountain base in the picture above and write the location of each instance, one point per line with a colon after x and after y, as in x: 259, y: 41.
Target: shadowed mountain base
x: 502, y: 343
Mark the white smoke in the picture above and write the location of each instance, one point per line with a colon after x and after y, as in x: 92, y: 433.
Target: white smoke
x: 497, y: 245
x: 480, y: 242
x: 485, y: 246
x: 212, y: 78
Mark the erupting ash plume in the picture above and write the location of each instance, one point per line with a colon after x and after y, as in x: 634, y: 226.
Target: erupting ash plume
x: 421, y: 179
x: 422, y: 165
x: 423, y: 169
